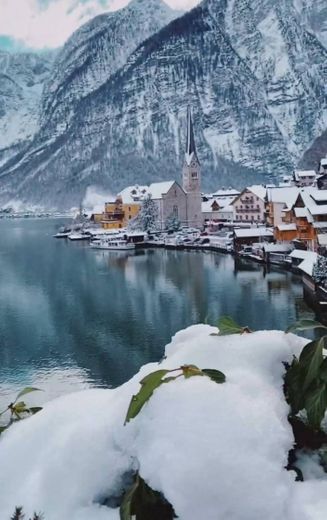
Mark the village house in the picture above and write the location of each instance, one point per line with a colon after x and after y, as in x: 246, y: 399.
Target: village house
x: 249, y: 236
x: 306, y: 219
x: 250, y: 206
x: 322, y: 177
x: 303, y: 178
x: 121, y: 210
x: 217, y: 207
x: 278, y: 201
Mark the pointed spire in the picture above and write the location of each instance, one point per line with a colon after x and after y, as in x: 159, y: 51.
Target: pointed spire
x: 190, y: 142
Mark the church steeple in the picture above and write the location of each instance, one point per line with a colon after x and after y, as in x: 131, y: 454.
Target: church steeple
x: 191, y: 167
x: 190, y: 152
x: 192, y: 178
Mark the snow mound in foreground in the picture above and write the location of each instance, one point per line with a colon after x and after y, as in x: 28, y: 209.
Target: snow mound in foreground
x: 215, y: 451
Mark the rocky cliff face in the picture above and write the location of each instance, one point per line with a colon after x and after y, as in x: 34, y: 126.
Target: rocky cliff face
x: 253, y: 74
x: 313, y: 13
x: 22, y: 76
x: 94, y: 53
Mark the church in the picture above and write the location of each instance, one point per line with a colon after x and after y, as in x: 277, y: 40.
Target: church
x: 181, y: 201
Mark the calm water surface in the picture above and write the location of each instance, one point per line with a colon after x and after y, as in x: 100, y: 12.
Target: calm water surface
x: 72, y: 317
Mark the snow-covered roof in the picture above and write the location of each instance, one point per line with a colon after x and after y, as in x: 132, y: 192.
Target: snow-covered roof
x: 307, y: 265
x: 305, y: 173
x: 277, y: 248
x: 322, y: 239
x: 301, y: 212
x: 158, y: 189
x: 133, y: 194
x: 226, y: 209
x: 323, y: 161
x: 319, y: 225
x: 303, y: 255
x: 226, y: 193
x: 319, y: 195
x: 318, y: 210
x: 286, y: 195
x: 206, y: 206
x: 286, y: 227
x: 258, y: 190
x: 253, y: 232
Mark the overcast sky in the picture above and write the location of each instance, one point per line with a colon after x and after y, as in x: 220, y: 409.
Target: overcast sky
x: 39, y: 24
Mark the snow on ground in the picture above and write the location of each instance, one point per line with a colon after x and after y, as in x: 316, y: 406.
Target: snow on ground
x: 215, y: 451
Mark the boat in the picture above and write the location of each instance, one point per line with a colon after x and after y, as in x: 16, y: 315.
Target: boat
x: 113, y: 244
x: 77, y: 235
x: 63, y: 232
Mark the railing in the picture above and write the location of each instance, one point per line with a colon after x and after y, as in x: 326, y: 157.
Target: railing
x: 248, y: 210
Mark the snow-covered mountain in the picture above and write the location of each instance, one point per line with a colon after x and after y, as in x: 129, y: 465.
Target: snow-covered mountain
x: 314, y: 14
x: 22, y: 76
x: 254, y: 75
x: 94, y: 53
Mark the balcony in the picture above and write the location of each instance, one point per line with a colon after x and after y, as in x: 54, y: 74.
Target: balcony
x: 248, y: 210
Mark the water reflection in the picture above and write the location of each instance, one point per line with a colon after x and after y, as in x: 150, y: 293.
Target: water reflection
x: 95, y: 316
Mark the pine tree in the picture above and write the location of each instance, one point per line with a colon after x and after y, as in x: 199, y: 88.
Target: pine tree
x: 147, y: 218
x: 319, y: 272
x: 173, y: 223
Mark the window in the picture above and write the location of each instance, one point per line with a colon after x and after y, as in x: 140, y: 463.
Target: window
x: 247, y: 217
x: 194, y: 175
x: 175, y: 211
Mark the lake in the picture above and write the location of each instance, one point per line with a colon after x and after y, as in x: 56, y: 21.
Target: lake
x: 72, y: 317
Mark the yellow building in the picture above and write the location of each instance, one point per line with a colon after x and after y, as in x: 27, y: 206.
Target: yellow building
x: 118, y: 214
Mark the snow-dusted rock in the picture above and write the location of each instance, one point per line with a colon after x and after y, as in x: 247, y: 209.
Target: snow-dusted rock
x: 215, y: 451
x: 22, y: 76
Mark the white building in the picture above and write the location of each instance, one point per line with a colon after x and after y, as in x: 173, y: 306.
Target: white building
x: 171, y: 200
x: 304, y: 178
x: 250, y: 205
x: 280, y: 200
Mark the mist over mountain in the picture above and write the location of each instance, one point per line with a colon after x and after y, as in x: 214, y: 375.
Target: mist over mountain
x: 114, y: 106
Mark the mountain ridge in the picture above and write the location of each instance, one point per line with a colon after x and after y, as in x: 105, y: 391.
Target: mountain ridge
x: 131, y: 128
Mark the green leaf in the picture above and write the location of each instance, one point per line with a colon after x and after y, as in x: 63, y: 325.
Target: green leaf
x: 35, y: 409
x: 315, y: 405
x: 2, y: 429
x: 227, y: 326
x: 148, y: 385
x: 305, y: 325
x: 190, y: 371
x: 141, y: 502
x: 294, y: 386
x: 27, y: 390
x: 19, y: 407
x: 127, y: 503
x: 323, y: 371
x: 215, y: 375
x: 311, y: 359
